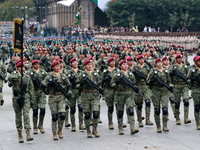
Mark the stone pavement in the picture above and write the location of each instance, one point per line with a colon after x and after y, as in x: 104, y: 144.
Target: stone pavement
x: 184, y: 137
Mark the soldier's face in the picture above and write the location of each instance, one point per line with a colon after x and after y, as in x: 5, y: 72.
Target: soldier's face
x: 19, y: 69
x: 36, y: 66
x: 179, y: 60
x: 159, y: 64
x: 82, y: 56
x: 13, y: 57
x: 166, y: 62
x: 198, y: 63
x: 112, y: 63
x: 136, y: 53
x: 148, y: 53
x: 178, y: 52
x: 130, y: 63
x: 89, y: 67
x: 124, y: 66
x: 75, y: 64
x: 141, y: 61
x: 56, y: 68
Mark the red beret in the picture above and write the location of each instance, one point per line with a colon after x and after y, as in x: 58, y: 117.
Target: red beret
x: 123, y: 46
x: 86, y: 62
x: 94, y: 47
x: 35, y: 61
x: 130, y: 47
x: 195, y: 57
x: 111, y: 59
x: 157, y: 60
x: 182, y: 46
x: 19, y: 64
x: 18, y: 61
x: 129, y: 58
x: 54, y: 64
x: 198, y: 58
x: 139, y: 56
x: 60, y: 60
x: 166, y: 57
x: 108, y: 48
x: 179, y: 55
x: 178, y: 46
x: 122, y: 61
x: 73, y: 59
x: 102, y: 47
x: 173, y: 45
x: 91, y: 58
x: 38, y: 49
x: 148, y: 45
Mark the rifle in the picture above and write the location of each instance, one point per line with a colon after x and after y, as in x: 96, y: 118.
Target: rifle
x: 198, y: 79
x: 59, y: 88
x: 47, y: 64
x: 138, y: 74
x: 92, y: 84
x: 160, y: 83
x: 179, y: 75
x: 3, y: 78
x: 130, y: 84
x: 150, y: 66
x: 72, y: 80
x: 37, y: 84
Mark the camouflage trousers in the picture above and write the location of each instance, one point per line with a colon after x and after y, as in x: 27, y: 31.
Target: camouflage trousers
x: 181, y: 90
x: 57, y: 105
x: 72, y: 104
x: 90, y: 103
x: 109, y: 98
x: 123, y: 98
x: 40, y: 102
x: 144, y: 90
x: 196, y: 98
x: 22, y: 111
x: 160, y: 100
x: 1, y: 93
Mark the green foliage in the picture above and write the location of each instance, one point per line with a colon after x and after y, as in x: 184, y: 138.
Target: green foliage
x: 165, y: 14
x: 8, y: 13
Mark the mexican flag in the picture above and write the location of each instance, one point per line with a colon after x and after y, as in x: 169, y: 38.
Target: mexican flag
x: 101, y: 3
x: 78, y: 17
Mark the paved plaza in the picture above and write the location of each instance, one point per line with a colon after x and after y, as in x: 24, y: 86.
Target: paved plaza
x: 183, y: 137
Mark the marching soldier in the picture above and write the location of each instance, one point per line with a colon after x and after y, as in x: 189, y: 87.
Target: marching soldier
x: 159, y: 96
x: 124, y: 96
x: 2, y: 80
x: 21, y: 103
x: 38, y: 74
x: 55, y: 83
x: 178, y: 73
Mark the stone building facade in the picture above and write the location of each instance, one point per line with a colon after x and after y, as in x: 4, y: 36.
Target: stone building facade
x: 58, y: 15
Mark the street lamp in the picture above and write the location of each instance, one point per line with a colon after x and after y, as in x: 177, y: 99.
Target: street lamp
x: 21, y: 12
x: 16, y: 10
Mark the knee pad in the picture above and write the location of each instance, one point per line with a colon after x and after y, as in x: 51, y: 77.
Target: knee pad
x: 120, y: 114
x: 62, y: 116
x: 0, y: 89
x: 110, y: 109
x: 95, y: 114
x: 80, y: 108
x: 42, y: 111
x: 177, y: 105
x: 73, y: 110
x: 165, y: 110
x: 54, y: 117
x: 197, y: 108
x: 130, y: 111
x: 157, y: 111
x: 186, y: 102
x: 66, y: 106
x: 139, y: 106
x: 87, y: 115
x: 172, y: 100
x: 35, y: 112
x: 147, y: 102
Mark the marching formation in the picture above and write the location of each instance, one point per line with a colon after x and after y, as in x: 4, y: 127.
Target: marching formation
x: 77, y: 75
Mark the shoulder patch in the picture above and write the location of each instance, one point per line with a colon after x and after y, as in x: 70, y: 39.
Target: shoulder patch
x: 185, y: 66
x: 83, y: 75
x: 166, y: 71
x: 69, y: 75
x: 155, y: 72
x: 15, y: 72
x: 31, y: 73
x: 95, y: 73
x: 118, y: 74
x: 105, y: 70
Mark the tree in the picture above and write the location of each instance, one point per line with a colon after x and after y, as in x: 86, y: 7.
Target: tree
x: 186, y: 18
x: 132, y: 20
x: 173, y: 19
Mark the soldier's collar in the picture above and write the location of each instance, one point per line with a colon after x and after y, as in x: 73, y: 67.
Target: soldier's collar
x: 179, y: 65
x: 161, y: 70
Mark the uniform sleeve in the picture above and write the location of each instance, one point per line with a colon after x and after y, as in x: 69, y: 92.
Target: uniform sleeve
x: 31, y: 92
x: 150, y: 76
x: 113, y: 81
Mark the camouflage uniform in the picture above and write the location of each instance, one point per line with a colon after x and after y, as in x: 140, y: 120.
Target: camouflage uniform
x: 2, y: 75
x: 181, y: 88
x: 144, y: 89
x: 124, y: 97
x: 75, y: 97
x: 57, y: 101
x: 109, y: 92
x: 90, y: 100
x: 159, y: 97
x: 15, y: 82
x: 40, y: 100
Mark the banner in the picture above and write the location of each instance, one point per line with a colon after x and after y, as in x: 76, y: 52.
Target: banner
x: 6, y: 25
x: 78, y: 17
x: 18, y: 35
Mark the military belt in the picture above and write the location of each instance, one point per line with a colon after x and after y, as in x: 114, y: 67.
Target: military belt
x: 159, y: 89
x: 124, y: 90
x: 89, y: 91
x: 56, y: 93
x: 141, y: 83
x: 180, y: 83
